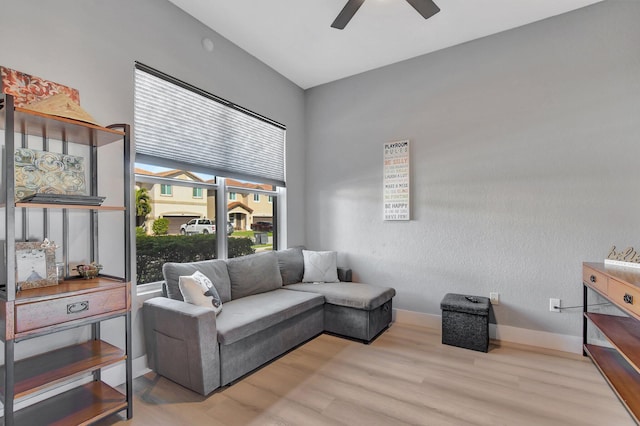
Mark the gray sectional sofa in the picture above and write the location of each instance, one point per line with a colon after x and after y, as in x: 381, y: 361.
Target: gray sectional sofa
x: 266, y: 311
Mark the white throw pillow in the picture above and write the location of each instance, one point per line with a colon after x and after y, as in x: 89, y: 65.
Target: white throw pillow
x: 320, y: 267
x: 198, y: 290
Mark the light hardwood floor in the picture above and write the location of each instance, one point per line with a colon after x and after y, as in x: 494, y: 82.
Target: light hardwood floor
x: 405, y: 377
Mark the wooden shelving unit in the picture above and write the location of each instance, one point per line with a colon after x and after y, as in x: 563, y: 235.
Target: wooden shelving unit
x: 74, y: 303
x: 38, y: 372
x: 619, y: 365
x: 623, y: 379
x: 80, y: 406
x: 34, y: 123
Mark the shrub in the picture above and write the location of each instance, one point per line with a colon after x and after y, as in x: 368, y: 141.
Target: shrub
x: 239, y: 247
x: 154, y: 251
x: 160, y: 226
x: 140, y: 231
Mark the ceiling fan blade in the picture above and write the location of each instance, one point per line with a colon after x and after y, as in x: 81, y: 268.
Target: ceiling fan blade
x: 347, y: 13
x: 426, y: 8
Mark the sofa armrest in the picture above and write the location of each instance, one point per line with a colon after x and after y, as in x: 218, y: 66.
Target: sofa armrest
x: 344, y: 274
x: 181, y: 343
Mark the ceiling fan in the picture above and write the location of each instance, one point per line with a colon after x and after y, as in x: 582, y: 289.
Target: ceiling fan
x: 426, y: 8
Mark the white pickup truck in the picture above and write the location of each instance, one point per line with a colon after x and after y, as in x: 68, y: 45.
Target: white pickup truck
x: 198, y: 226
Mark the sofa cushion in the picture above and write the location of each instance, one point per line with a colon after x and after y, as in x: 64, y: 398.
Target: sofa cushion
x: 215, y: 270
x: 197, y: 289
x: 249, y: 315
x: 253, y: 274
x: 320, y: 266
x: 291, y: 263
x: 353, y: 295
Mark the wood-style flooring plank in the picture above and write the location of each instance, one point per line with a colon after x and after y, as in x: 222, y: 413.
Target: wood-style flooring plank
x: 406, y: 376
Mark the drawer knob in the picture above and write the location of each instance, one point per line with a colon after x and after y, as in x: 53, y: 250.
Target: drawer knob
x: 592, y: 278
x: 628, y: 298
x: 74, y: 308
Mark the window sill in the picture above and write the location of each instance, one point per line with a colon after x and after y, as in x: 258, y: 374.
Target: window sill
x: 149, y: 289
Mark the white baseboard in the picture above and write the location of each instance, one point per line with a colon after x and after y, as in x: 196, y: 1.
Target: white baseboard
x: 114, y: 375
x: 503, y: 333
x: 417, y: 318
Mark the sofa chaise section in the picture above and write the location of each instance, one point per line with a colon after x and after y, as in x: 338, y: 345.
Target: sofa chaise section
x: 357, y: 311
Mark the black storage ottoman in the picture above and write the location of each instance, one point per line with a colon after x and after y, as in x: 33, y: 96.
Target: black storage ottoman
x: 465, y: 321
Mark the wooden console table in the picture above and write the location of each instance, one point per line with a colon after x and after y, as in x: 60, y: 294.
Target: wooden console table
x: 619, y: 365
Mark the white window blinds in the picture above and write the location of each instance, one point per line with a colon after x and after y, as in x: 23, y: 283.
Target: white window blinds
x: 177, y: 124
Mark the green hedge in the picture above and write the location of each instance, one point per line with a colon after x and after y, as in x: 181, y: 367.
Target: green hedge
x: 154, y: 251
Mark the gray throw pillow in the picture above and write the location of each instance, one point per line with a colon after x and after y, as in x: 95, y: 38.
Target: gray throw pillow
x: 215, y: 270
x: 253, y: 274
x: 291, y: 264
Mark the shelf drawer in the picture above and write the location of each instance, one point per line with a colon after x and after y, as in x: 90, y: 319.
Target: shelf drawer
x: 32, y: 316
x: 595, y: 279
x: 624, y: 296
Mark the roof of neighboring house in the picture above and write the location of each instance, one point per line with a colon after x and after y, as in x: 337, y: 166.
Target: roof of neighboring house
x: 192, y: 176
x: 143, y: 172
x: 248, y: 185
x: 235, y: 204
x: 169, y: 174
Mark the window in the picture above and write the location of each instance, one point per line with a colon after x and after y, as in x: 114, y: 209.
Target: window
x: 166, y: 190
x: 257, y: 218
x: 204, y: 211
x: 256, y: 198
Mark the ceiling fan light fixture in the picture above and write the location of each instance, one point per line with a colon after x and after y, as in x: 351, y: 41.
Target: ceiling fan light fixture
x: 346, y: 14
x: 426, y: 8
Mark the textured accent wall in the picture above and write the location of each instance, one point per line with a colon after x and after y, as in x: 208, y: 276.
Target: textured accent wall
x: 525, y: 162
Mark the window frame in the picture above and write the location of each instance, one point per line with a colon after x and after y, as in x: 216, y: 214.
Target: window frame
x: 164, y: 186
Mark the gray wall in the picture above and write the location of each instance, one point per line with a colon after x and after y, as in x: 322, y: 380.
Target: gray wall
x: 525, y: 149
x: 91, y: 45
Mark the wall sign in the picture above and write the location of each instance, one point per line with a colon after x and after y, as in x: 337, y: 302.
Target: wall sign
x: 628, y: 257
x: 396, y: 188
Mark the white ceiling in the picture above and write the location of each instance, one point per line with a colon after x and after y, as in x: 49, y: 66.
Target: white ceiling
x: 294, y: 37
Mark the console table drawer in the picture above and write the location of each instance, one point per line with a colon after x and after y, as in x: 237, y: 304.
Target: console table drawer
x: 624, y: 296
x: 595, y: 279
x: 31, y: 316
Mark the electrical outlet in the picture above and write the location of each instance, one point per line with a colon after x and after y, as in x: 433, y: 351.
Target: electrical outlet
x: 554, y: 305
x: 494, y: 298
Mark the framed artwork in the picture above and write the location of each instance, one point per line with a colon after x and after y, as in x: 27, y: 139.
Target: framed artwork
x: 35, y: 265
x: 397, y: 181
x: 44, y: 172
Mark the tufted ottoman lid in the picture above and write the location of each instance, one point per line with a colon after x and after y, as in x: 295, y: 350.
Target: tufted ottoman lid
x: 467, y: 304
